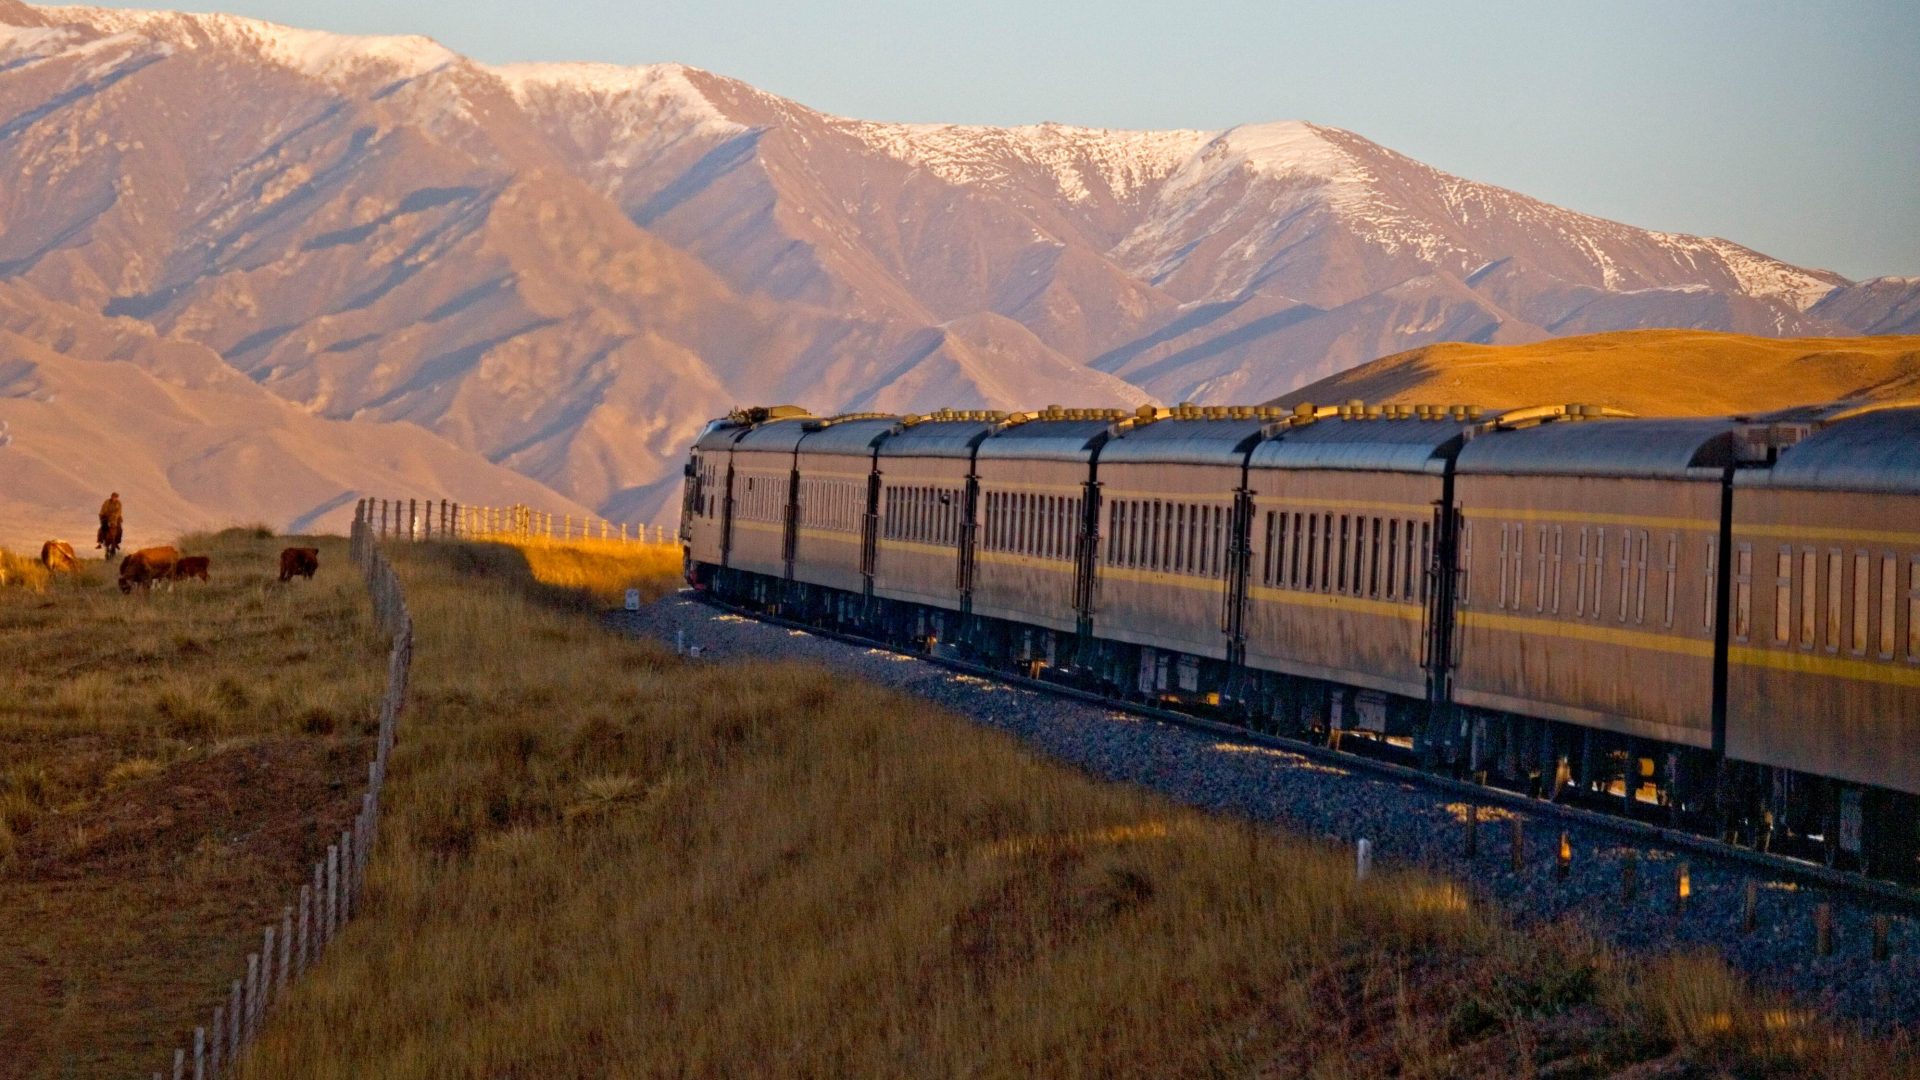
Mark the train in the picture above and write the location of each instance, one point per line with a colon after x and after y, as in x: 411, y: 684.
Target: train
x: 1709, y: 624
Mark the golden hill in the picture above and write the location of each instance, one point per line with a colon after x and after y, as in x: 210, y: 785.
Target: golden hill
x: 1650, y: 372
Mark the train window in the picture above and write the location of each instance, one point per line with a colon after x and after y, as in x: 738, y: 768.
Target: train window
x: 1502, y: 601
x: 1913, y: 610
x: 1326, y: 552
x: 1407, y: 564
x: 1626, y: 570
x: 1293, y: 571
x: 1707, y: 596
x: 1599, y: 569
x: 1835, y: 588
x: 1783, y: 598
x: 1393, y: 557
x: 1276, y: 547
x: 1346, y: 546
x: 1889, y: 586
x: 1218, y: 546
x: 1517, y: 564
x: 1580, y: 566
x: 1135, y: 544
x: 1373, y: 557
x: 1640, y: 578
x: 1673, y: 572
x: 1540, y: 570
x: 1809, y: 595
x: 1862, y: 580
x: 1313, y: 548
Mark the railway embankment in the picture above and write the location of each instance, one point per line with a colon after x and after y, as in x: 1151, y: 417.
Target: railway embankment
x: 601, y: 858
x: 1625, y: 889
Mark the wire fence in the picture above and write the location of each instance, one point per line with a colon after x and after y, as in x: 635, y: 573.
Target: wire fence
x: 295, y: 943
x: 427, y: 519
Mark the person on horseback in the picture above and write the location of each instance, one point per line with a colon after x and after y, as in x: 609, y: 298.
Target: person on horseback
x: 109, y: 537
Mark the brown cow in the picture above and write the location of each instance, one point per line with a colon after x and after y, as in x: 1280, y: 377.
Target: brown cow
x: 301, y: 561
x: 191, y: 566
x: 146, y: 566
x: 57, y: 556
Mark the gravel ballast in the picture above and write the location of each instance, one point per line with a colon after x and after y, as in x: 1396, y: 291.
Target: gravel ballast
x: 1406, y: 822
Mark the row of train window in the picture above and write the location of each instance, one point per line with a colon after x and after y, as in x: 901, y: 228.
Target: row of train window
x: 926, y: 515
x: 706, y: 484
x: 1862, y: 593
x: 1026, y: 523
x: 760, y: 498
x: 1611, y: 570
x: 836, y: 504
x: 1355, y: 554
x: 1168, y: 537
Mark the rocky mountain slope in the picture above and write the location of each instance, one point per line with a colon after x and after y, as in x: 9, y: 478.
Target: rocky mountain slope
x: 566, y: 268
x: 190, y: 443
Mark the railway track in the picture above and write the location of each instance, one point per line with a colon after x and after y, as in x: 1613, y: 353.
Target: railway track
x: 1784, y: 867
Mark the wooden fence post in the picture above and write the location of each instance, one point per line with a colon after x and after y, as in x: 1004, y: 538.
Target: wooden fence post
x: 1750, y: 909
x: 1879, y: 939
x: 1823, y: 929
x: 1629, y: 877
x: 1473, y: 829
x: 286, y: 949
x: 250, y: 1023
x: 234, y: 1021
x: 199, y: 1053
x: 1519, y: 843
x: 217, y: 1053
x: 306, y: 925
x: 330, y: 920
x: 180, y: 1063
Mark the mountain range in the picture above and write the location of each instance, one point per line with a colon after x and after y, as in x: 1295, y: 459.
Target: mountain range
x: 560, y: 271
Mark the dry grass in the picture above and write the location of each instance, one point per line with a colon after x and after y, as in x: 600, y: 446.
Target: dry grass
x: 602, y: 569
x: 600, y: 860
x: 1650, y: 372
x: 169, y: 763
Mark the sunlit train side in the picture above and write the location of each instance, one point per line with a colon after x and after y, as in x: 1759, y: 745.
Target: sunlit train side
x: 1346, y: 519
x: 1824, y: 662
x: 833, y: 476
x: 1029, y: 576
x: 1713, y: 623
x: 1585, y: 648
x: 1167, y: 558
x: 925, y: 535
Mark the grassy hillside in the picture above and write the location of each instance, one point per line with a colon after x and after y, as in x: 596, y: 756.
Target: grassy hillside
x: 1650, y: 372
x: 169, y: 766
x: 601, y: 860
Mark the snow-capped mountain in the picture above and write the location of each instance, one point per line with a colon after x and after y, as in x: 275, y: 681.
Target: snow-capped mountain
x: 568, y: 267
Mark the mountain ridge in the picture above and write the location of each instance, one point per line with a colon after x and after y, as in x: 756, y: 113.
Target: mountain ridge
x: 566, y: 268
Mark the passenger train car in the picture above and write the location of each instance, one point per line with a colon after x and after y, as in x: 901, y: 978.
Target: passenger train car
x: 1710, y: 623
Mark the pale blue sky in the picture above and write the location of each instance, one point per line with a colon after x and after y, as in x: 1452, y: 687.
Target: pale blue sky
x: 1793, y: 128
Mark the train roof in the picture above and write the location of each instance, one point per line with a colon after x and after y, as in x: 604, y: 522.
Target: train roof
x: 1373, y: 445
x: 774, y: 435
x: 1877, y: 451
x: 938, y: 438
x: 1623, y: 448
x: 851, y: 435
x: 1053, y: 440
x: 1186, y: 441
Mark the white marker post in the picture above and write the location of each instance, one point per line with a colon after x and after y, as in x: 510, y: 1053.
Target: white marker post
x: 1363, y: 860
x: 633, y: 599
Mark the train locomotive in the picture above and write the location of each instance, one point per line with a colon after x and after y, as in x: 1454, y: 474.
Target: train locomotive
x: 1712, y: 624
